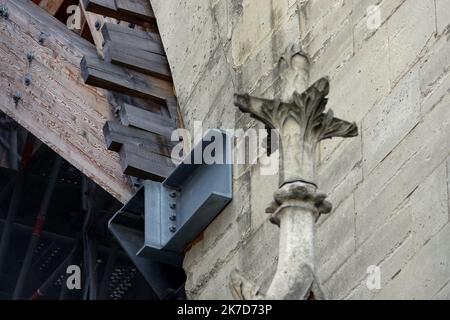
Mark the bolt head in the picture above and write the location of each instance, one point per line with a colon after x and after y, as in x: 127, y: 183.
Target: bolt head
x: 30, y: 56
x: 173, y: 194
x: 17, y: 96
x: 172, y: 229
x: 41, y: 38
x: 173, y: 218
x: 173, y: 206
x: 27, y: 80
x: 97, y: 25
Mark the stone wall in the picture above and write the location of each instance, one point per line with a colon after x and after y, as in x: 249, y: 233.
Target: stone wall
x: 389, y: 186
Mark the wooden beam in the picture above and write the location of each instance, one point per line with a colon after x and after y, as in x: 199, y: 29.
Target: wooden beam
x: 140, y: 162
x: 139, y: 60
x: 104, y: 75
x: 51, y: 6
x: 135, y: 11
x: 94, y: 23
x: 117, y: 135
x: 139, y: 39
x: 57, y: 107
x: 145, y: 120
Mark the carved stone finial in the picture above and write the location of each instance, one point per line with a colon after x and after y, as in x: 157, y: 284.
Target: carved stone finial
x: 300, y: 118
x: 302, y: 124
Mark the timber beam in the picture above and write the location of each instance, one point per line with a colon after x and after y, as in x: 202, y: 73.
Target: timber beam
x: 56, y: 106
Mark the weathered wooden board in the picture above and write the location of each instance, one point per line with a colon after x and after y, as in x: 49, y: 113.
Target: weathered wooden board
x: 145, y: 120
x: 102, y: 74
x: 140, y: 162
x: 117, y: 135
x: 139, y: 60
x: 51, y: 6
x: 137, y: 11
x: 57, y: 107
x: 133, y: 38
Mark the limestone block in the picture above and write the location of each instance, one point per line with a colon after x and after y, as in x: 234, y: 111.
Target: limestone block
x: 263, y: 188
x: 365, y: 24
x: 214, y: 89
x: 257, y: 21
x: 410, y: 28
x: 257, y: 75
x: 388, y: 122
x: 384, y: 240
x: 397, y: 176
x: 442, y: 15
x: 190, y: 37
x: 435, y: 73
x: 362, y: 82
x: 335, y: 238
x: 426, y: 274
x: 334, y: 169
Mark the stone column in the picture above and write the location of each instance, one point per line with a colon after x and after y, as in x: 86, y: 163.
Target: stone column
x: 299, y: 117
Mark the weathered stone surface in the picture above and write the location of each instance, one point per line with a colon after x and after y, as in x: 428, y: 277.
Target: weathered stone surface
x: 189, y: 43
x: 365, y: 24
x: 387, y: 123
x: 394, y: 81
x: 377, y: 248
x: 423, y: 150
x: 206, y: 96
x: 426, y: 274
x: 442, y: 15
x: 263, y: 187
x: 334, y: 169
x: 406, y: 40
x: 368, y: 70
x: 435, y: 73
x: 335, y: 239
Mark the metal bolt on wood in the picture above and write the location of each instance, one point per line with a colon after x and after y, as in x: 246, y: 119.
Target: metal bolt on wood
x: 42, y: 38
x: 27, y: 80
x: 4, y: 12
x: 30, y: 56
x: 17, y: 96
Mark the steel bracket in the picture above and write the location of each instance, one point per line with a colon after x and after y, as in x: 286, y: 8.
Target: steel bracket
x: 162, y: 219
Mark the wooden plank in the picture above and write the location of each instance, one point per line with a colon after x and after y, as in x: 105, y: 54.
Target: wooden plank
x: 51, y: 6
x: 127, y: 11
x: 141, y: 163
x: 117, y: 100
x: 138, y: 39
x: 94, y: 22
x: 145, y: 120
x: 104, y: 75
x: 138, y: 9
x: 117, y: 135
x: 139, y: 60
x: 57, y: 107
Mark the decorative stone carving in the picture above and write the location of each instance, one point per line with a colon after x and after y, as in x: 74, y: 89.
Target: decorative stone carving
x: 300, y: 118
